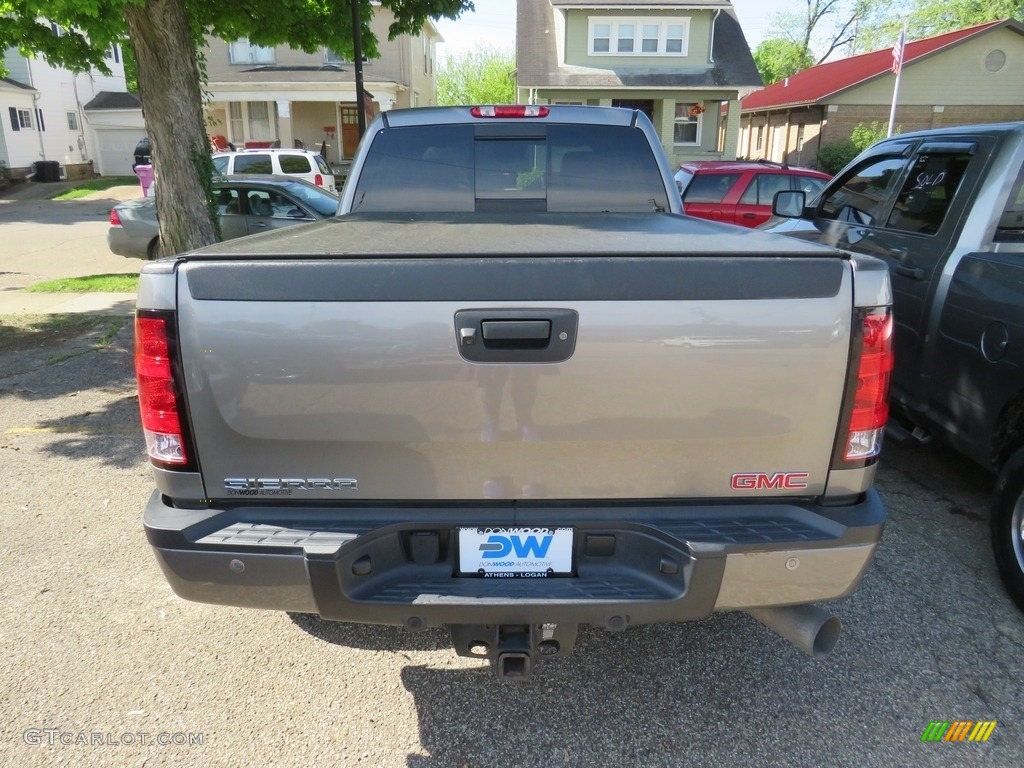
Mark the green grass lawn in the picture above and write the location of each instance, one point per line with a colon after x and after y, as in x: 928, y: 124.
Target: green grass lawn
x: 95, y: 185
x: 90, y: 284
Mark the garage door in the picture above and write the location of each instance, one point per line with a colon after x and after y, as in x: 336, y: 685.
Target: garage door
x: 116, y: 151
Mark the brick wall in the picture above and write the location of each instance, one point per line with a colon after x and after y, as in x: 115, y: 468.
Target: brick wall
x: 840, y: 124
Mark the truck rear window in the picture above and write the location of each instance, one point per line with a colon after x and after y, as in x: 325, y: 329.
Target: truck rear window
x: 558, y: 168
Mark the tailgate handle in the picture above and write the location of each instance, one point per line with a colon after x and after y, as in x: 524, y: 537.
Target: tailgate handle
x: 516, y: 330
x: 516, y: 335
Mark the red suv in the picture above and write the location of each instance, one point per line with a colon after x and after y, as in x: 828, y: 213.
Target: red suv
x: 740, y: 192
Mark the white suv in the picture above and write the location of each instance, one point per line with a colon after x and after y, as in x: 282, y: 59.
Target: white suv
x: 298, y: 163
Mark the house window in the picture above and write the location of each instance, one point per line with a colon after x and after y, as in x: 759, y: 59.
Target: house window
x: 649, y: 34
x: 259, y: 121
x: 244, y: 52
x: 687, y: 126
x: 626, y: 33
x: 760, y: 137
x: 72, y: 121
x: 25, y: 119
x: 237, y: 124
x: 639, y: 37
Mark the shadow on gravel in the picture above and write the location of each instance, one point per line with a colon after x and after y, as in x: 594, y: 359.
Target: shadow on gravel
x: 371, y: 636
x: 35, y: 352
x: 72, y: 377
x: 112, y: 434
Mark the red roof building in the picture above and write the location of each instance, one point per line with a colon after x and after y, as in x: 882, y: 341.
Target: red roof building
x: 971, y: 75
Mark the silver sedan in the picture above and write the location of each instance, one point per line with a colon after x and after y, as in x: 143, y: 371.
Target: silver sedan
x: 245, y: 205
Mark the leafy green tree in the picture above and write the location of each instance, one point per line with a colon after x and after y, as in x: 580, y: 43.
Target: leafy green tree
x: 823, y: 26
x: 165, y: 37
x: 926, y: 18
x: 863, y: 136
x: 777, y: 59
x: 483, y: 76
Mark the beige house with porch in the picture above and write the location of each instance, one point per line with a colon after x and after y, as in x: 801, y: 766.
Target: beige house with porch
x: 281, y: 96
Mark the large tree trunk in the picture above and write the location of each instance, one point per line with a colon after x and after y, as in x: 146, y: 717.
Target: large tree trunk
x: 168, y: 75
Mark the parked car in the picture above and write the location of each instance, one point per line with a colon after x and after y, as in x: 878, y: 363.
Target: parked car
x: 740, y: 192
x: 296, y: 163
x: 945, y: 210
x: 245, y: 204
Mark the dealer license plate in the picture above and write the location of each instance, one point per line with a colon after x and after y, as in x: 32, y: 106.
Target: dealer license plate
x: 515, y: 552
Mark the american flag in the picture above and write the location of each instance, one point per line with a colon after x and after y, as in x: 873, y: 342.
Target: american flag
x: 897, y: 52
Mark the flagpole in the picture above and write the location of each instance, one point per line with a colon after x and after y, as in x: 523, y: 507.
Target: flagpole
x: 897, y: 63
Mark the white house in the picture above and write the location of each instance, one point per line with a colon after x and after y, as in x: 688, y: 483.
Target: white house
x: 44, y: 115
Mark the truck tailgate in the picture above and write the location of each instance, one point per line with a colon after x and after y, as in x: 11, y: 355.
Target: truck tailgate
x: 350, y: 377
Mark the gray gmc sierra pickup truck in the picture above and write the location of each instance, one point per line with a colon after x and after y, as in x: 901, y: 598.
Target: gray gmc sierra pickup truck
x: 511, y: 390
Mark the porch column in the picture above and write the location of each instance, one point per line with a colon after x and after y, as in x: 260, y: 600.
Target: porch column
x: 284, y: 124
x: 666, y: 128
x: 731, y: 143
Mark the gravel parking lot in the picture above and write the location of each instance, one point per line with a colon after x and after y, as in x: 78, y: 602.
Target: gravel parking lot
x: 105, y: 666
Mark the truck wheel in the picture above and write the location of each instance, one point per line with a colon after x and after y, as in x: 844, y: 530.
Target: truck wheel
x: 1008, y: 526
x: 153, y: 249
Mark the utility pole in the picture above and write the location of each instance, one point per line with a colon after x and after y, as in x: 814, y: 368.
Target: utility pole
x: 357, y: 55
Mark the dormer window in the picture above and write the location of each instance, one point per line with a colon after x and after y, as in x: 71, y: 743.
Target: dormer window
x: 638, y: 37
x: 244, y: 52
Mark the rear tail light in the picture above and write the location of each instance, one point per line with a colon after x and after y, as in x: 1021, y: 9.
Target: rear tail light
x: 160, y: 400
x: 318, y: 180
x: 869, y: 410
x: 512, y: 110
x: 115, y: 220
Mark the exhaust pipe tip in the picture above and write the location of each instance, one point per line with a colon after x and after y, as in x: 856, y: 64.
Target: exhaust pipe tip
x: 811, y: 629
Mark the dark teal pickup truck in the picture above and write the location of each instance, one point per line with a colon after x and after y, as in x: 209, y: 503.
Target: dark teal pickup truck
x: 945, y: 209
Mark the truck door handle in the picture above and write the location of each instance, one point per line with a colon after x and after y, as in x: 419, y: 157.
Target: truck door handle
x: 749, y: 215
x: 914, y: 273
x: 516, y: 335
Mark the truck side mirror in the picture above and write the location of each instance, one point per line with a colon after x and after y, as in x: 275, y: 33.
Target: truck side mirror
x: 789, y: 203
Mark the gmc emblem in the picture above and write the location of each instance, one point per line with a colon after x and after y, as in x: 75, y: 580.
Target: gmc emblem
x: 760, y: 481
